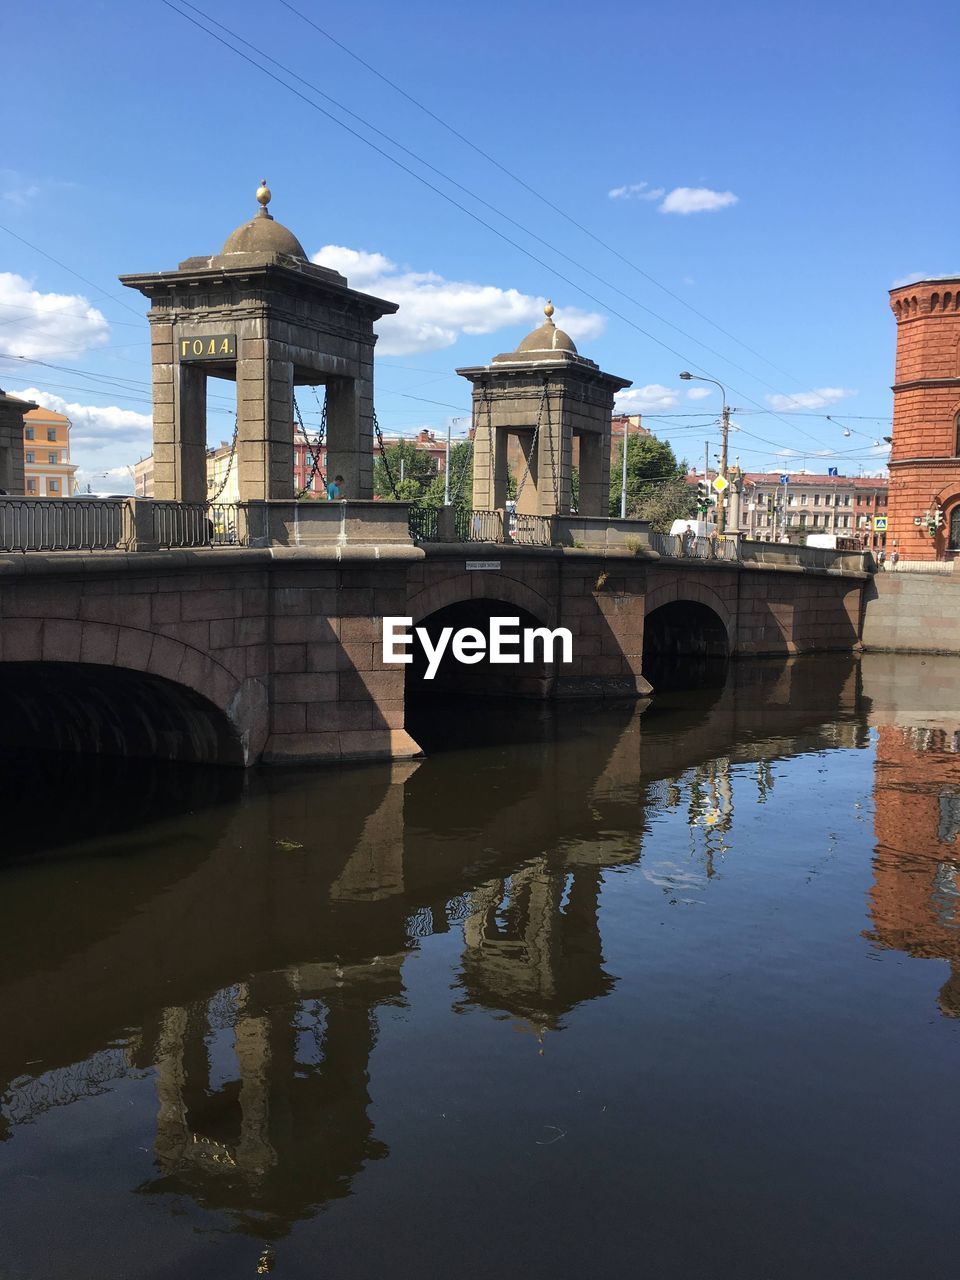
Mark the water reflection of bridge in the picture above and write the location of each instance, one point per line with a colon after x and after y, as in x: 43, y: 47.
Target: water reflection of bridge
x: 253, y: 973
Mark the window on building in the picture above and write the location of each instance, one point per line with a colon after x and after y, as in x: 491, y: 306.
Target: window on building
x: 816, y: 499
x: 51, y: 433
x: 792, y: 500
x: 804, y: 499
x: 31, y: 484
x: 803, y: 520
x: 846, y: 499
x: 31, y: 457
x: 28, y: 433
x: 54, y: 458
x: 826, y: 499
x: 954, y: 543
x: 53, y: 486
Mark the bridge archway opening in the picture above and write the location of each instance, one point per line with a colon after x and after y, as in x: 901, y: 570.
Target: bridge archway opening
x: 685, y: 644
x: 445, y: 707
x: 111, y: 711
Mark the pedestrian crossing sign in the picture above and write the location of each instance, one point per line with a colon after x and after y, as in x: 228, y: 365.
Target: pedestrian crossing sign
x: 880, y: 524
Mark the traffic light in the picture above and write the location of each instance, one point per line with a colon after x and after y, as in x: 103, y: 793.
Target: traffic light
x: 934, y: 521
x: 703, y: 496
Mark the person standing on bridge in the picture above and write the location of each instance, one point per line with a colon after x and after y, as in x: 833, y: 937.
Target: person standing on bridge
x: 335, y: 489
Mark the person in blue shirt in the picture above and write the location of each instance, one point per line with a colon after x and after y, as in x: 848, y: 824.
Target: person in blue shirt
x: 335, y: 488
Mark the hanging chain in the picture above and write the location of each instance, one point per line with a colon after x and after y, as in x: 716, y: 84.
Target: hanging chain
x: 316, y: 445
x: 533, y: 444
x: 383, y: 455
x: 215, y: 497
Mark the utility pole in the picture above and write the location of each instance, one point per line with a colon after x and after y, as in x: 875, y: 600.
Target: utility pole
x: 446, y: 467
x: 402, y: 463
x: 725, y: 421
x: 623, y: 477
x: 725, y: 437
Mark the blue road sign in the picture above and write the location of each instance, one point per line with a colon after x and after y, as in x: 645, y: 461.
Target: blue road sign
x: 784, y: 479
x: 833, y: 471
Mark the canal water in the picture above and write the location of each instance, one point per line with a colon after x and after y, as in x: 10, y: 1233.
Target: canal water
x: 669, y: 991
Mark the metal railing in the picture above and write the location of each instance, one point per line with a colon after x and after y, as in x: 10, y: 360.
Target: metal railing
x: 479, y: 526
x: 531, y: 531
x: 678, y: 547
x: 196, y: 524
x: 423, y: 523
x: 52, y: 524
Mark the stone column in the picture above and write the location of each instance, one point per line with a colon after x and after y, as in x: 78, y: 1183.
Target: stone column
x: 594, y: 495
x: 186, y: 456
x: 554, y: 465
x: 265, y: 423
x: 12, y: 410
x: 349, y: 438
x: 528, y: 476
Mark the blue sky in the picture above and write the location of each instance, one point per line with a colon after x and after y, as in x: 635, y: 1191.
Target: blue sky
x: 776, y: 168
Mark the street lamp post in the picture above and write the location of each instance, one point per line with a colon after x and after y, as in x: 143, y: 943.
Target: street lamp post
x: 724, y: 440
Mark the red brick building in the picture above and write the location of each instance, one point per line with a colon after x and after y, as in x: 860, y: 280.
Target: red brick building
x: 925, y: 459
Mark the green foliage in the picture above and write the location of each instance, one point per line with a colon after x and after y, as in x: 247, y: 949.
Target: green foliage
x: 656, y: 488
x: 419, y: 471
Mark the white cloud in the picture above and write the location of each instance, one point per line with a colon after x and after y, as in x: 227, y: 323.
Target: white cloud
x: 696, y: 200
x: 910, y: 278
x: 645, y: 399
x: 698, y: 393
x: 636, y: 191
x: 435, y: 312
x: 818, y: 398
x: 46, y: 324
x: 96, y: 427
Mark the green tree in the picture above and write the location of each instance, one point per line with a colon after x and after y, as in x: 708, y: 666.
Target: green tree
x: 419, y: 469
x: 656, y: 487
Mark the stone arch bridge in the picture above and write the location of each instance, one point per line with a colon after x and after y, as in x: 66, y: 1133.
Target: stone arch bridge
x: 246, y: 654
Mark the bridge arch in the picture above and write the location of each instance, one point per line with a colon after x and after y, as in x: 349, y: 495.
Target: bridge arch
x: 687, y: 630
x: 460, y: 588
x: 677, y: 592
x: 102, y: 687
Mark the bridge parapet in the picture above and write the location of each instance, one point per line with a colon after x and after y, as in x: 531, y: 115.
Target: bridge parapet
x: 145, y: 524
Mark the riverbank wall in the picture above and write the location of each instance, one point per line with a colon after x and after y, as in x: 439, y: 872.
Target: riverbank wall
x: 912, y: 613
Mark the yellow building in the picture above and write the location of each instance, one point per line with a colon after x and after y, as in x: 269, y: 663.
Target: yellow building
x: 48, y: 471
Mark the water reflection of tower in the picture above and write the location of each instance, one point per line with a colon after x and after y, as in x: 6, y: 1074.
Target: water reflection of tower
x: 276, y: 1123
x: 532, y: 943
x: 915, y: 899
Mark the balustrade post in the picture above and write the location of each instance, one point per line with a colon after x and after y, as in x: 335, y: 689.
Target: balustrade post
x: 139, y: 525
x: 447, y: 524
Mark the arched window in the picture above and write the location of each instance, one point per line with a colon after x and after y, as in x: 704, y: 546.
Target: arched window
x: 954, y: 543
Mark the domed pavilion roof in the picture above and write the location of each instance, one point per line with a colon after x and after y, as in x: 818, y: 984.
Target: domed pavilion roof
x: 263, y: 234
x: 548, y: 337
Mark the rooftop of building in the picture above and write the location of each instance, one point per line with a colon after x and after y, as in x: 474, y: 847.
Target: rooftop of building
x: 803, y: 479
x: 912, y: 284
x: 45, y: 415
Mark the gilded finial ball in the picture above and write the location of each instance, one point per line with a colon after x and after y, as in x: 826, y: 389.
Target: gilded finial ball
x: 264, y: 193
x: 548, y: 309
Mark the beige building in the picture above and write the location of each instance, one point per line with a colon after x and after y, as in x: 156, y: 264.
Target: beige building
x: 48, y: 471
x: 848, y: 506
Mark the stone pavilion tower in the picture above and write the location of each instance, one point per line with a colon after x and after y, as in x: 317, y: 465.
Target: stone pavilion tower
x: 12, y: 410
x: 260, y: 313
x: 925, y: 459
x: 545, y: 396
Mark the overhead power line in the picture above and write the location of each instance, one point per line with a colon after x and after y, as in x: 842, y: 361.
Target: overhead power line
x: 445, y: 196
x: 118, y: 302
x: 550, y: 204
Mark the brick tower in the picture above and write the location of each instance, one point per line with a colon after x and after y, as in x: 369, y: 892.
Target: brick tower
x: 925, y: 460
